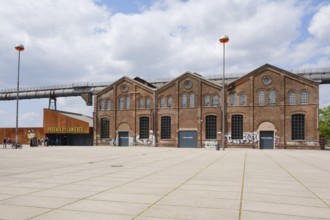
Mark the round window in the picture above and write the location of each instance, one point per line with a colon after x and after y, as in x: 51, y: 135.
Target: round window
x: 266, y: 80
x: 187, y: 84
x: 124, y: 88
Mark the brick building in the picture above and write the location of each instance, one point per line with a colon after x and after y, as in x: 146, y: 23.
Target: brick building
x: 267, y: 108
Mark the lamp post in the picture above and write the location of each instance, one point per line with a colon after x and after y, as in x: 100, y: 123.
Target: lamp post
x: 223, y: 39
x: 19, y: 48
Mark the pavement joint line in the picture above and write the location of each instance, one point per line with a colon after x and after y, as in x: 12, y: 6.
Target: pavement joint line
x: 118, y: 185
x: 100, y: 175
x: 312, y: 165
x: 284, y: 215
x: 242, y: 189
x: 293, y: 176
x: 153, y: 204
x: 78, y: 164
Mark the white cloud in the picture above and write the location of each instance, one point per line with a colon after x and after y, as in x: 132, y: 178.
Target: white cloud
x: 320, y: 25
x: 81, y: 41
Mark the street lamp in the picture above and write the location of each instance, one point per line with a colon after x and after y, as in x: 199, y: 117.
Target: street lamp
x: 19, y: 48
x: 223, y: 39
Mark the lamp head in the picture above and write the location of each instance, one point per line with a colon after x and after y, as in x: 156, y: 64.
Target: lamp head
x: 224, y: 39
x: 19, y: 47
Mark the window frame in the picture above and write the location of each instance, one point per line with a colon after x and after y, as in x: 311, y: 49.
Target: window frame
x: 144, y: 127
x: 105, y: 127
x: 298, y: 127
x: 165, y: 127
x: 237, y: 123
x: 211, y: 127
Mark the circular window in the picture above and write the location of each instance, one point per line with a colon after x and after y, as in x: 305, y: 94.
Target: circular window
x: 124, y: 88
x: 267, y: 80
x: 187, y: 84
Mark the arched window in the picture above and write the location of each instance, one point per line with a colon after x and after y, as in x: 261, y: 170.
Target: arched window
x: 162, y: 102
x: 211, y: 127
x: 261, y: 97
x: 121, y: 103
x: 184, y: 100
x: 105, y: 125
x: 128, y: 102
x: 232, y: 99
x: 298, y: 127
x: 102, y: 104
x: 207, y: 101
x: 169, y: 102
x: 192, y: 100
x: 148, y: 102
x: 272, y: 97
x: 144, y: 127
x: 292, y: 97
x: 141, y: 102
x: 242, y: 99
x: 165, y: 127
x: 108, y: 104
x: 215, y: 101
x: 304, y: 97
x: 237, y: 126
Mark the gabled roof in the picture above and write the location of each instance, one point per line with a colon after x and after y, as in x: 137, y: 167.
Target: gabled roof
x: 138, y: 81
x: 275, y: 69
x: 190, y: 74
x: 77, y: 116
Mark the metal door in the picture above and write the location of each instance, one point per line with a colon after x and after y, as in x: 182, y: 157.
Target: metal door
x: 266, y: 139
x: 188, y: 139
x: 123, y: 138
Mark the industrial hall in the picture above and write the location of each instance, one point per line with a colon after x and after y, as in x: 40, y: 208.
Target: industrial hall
x: 268, y: 108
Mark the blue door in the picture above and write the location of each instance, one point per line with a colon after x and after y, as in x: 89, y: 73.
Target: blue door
x: 266, y: 139
x: 123, y: 138
x: 188, y: 139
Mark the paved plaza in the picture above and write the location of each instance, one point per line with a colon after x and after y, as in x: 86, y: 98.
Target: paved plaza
x: 163, y: 184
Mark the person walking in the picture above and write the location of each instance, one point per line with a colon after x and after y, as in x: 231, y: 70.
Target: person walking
x: 4, y: 142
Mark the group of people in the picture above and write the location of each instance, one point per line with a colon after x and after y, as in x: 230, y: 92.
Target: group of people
x: 38, y: 142
x: 6, y: 141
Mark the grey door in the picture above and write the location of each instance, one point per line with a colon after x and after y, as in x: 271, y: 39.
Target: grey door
x: 188, y: 139
x: 123, y: 138
x: 266, y: 139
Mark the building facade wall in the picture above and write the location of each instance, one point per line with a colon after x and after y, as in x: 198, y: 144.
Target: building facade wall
x: 258, y: 104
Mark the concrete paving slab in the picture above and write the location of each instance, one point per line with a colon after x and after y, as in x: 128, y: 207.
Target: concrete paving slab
x: 146, y: 183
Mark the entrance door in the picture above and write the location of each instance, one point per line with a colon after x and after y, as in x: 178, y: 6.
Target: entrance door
x: 266, y: 139
x: 188, y: 139
x: 123, y: 138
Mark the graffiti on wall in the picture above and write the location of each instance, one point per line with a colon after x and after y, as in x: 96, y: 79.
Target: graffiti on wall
x: 210, y: 144
x: 248, y: 138
x: 144, y: 141
x: 277, y: 140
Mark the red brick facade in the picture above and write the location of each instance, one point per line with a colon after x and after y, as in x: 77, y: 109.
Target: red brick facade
x: 267, y: 108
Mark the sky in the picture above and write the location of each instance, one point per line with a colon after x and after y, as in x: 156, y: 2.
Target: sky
x: 102, y: 40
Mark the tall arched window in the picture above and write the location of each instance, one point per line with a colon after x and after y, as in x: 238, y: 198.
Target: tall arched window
x: 102, y: 104
x: 211, y: 127
x: 162, y: 102
x: 261, y: 97
x: 298, y: 127
x: 272, y: 97
x: 292, y: 97
x: 165, y: 127
x: 108, y: 104
x: 144, y: 127
x: 304, y: 97
x: 169, y: 102
x: 148, y: 102
x: 207, y: 101
x: 215, y: 101
x: 242, y: 99
x: 184, y: 100
x: 128, y: 102
x: 191, y: 100
x: 105, y: 125
x: 121, y: 103
x: 232, y: 99
x: 141, y: 102
x: 237, y: 126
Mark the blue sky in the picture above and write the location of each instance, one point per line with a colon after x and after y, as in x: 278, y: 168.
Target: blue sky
x: 103, y: 40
